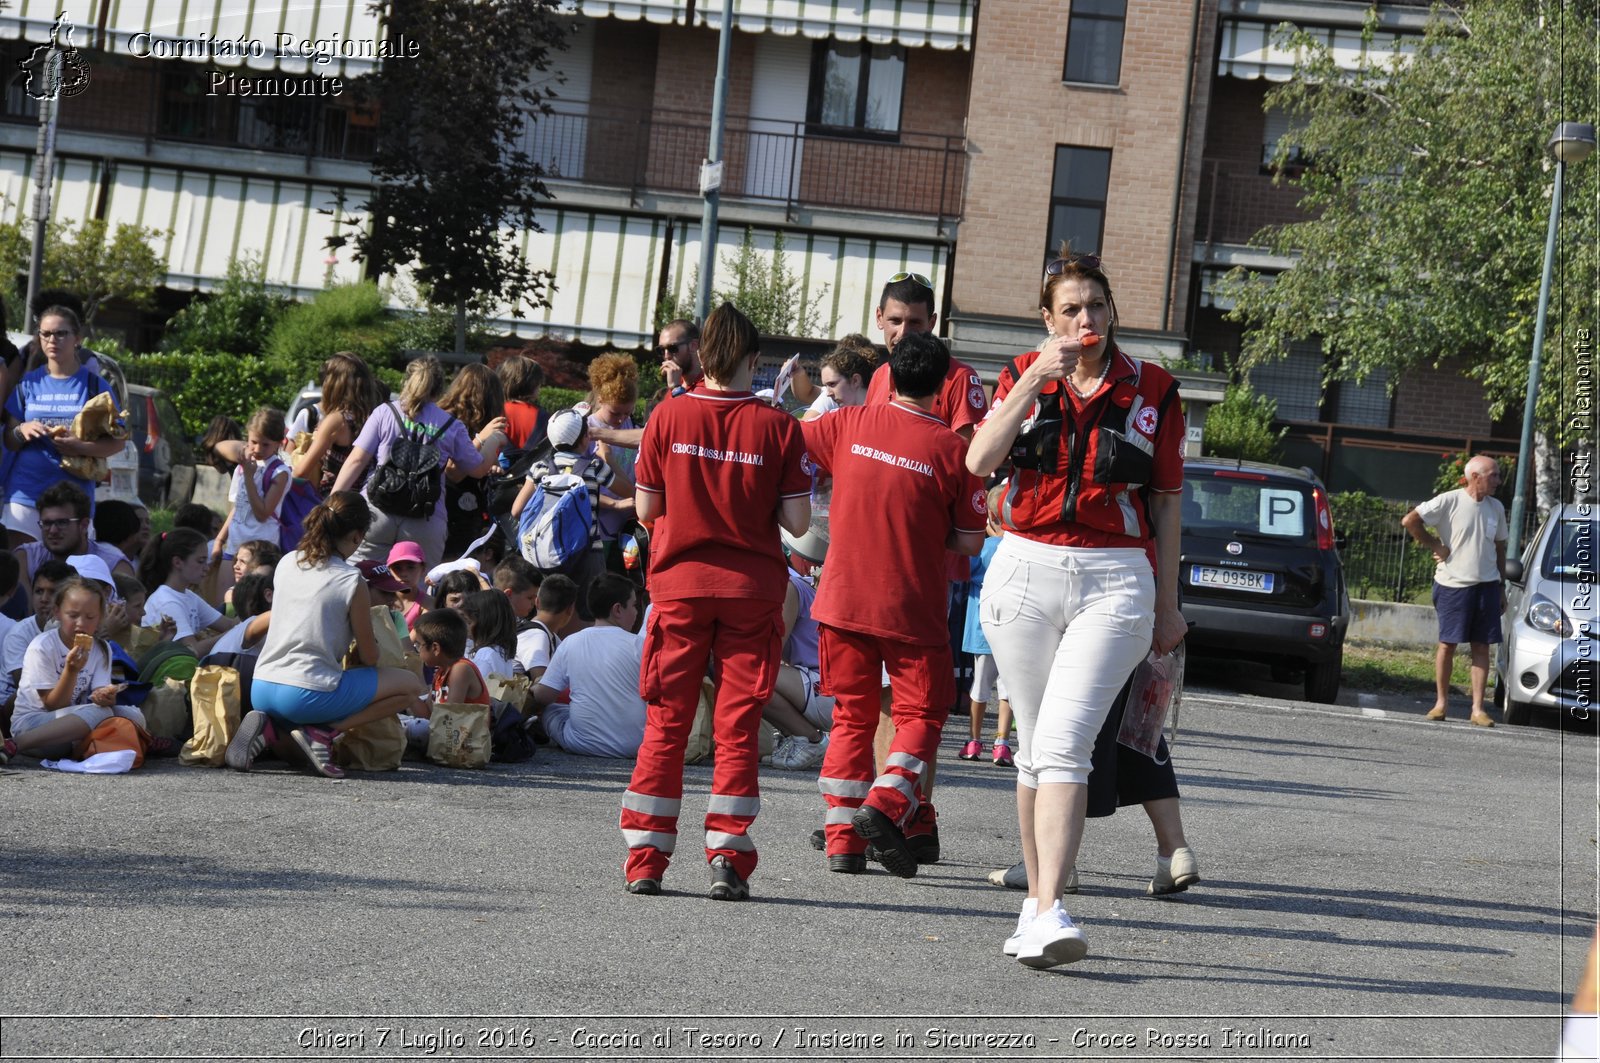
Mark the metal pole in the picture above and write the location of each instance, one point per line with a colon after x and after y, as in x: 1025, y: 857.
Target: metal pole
x: 43, y: 175
x: 708, y: 219
x: 1519, y: 497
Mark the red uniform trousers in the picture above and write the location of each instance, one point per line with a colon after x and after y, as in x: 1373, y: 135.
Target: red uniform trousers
x: 746, y: 637
x: 922, y: 685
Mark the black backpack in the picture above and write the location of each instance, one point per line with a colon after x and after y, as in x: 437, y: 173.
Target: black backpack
x: 408, y: 483
x: 504, y: 486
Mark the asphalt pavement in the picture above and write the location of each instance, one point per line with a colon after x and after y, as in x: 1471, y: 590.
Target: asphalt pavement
x: 1375, y: 886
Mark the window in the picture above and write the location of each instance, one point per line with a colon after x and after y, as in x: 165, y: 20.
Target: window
x: 1094, y: 41
x: 1278, y: 125
x: 1294, y: 381
x: 857, y: 86
x: 1078, y: 199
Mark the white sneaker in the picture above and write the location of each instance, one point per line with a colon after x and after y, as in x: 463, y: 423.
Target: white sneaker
x: 1051, y: 940
x: 1030, y: 909
x: 798, y: 754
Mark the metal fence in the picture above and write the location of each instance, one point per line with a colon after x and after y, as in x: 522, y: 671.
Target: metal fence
x: 1381, y: 561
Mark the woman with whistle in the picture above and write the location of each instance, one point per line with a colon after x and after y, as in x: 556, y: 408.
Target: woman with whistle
x: 1085, y: 582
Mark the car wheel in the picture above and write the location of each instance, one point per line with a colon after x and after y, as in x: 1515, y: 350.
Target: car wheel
x: 1517, y: 713
x: 1322, y: 680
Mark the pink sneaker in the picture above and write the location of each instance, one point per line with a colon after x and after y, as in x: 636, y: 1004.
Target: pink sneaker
x: 1002, y: 753
x: 317, y: 744
x: 972, y: 750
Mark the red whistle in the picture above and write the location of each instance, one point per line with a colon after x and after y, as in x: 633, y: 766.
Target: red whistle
x: 1089, y: 339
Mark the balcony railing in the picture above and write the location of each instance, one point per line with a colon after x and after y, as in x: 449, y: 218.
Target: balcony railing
x: 1237, y: 201
x: 787, y: 162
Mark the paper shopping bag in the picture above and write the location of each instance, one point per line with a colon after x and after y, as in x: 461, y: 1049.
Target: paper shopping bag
x: 459, y: 735
x: 214, y: 709
x: 376, y: 746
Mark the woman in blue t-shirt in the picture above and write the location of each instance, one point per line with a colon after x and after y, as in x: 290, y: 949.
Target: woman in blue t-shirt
x: 38, y: 414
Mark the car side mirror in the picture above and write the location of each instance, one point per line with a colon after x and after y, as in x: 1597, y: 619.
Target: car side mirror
x: 1514, y: 572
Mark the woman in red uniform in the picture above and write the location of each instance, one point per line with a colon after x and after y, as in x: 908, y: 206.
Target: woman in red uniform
x: 1086, y: 578
x: 719, y: 471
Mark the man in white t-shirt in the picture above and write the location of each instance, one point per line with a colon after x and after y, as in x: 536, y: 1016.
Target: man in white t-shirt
x: 599, y: 667
x: 1469, y: 580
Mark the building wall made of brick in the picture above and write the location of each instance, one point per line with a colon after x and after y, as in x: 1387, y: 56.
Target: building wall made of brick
x: 1441, y: 401
x: 1021, y: 110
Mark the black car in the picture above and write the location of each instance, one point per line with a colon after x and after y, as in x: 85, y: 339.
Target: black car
x: 1260, y: 577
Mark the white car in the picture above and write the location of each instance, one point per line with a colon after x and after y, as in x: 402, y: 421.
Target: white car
x: 1549, y: 657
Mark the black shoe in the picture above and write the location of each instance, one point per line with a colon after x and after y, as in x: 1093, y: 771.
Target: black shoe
x: 726, y: 885
x: 894, y: 852
x: 847, y: 863
x: 925, y: 847
x: 645, y: 887
x: 819, y: 840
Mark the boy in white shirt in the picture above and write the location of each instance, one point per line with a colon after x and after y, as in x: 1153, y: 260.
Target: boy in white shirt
x: 599, y: 666
x: 557, y: 602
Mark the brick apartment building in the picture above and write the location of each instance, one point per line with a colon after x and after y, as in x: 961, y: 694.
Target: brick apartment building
x: 947, y: 137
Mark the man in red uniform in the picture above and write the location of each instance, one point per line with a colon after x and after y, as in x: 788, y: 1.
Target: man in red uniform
x: 906, y: 306
x: 718, y: 471
x: 899, y: 480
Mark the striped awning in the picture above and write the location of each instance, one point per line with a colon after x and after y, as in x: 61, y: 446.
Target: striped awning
x: 942, y: 24
x: 338, y: 38
x: 1246, y: 49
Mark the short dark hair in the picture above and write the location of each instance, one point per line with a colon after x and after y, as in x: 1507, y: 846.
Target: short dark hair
x: 608, y: 591
x: 250, y: 595
x: 691, y: 331
x: 446, y: 627
x: 115, y: 521
x: 918, y: 365
x: 129, y: 586
x: 64, y: 494
x: 516, y: 574
x: 54, y: 571
x: 202, y: 519
x: 909, y: 292
x: 461, y: 581
x: 557, y: 594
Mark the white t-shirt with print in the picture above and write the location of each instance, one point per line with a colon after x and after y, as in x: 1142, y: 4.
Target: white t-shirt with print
x: 46, y: 659
x: 192, y: 613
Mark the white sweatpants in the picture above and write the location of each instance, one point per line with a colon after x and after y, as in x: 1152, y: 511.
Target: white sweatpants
x: 1067, y: 626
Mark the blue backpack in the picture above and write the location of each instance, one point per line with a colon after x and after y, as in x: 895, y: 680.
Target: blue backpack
x: 554, y: 529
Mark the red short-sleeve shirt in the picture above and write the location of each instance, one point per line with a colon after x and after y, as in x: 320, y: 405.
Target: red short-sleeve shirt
x: 900, y: 486
x: 1136, y: 410
x: 724, y: 461
x: 961, y: 403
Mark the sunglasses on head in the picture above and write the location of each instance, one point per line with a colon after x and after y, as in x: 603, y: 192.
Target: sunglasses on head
x: 915, y: 278
x: 1059, y: 266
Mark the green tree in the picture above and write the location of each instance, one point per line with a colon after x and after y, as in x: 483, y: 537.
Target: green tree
x: 1240, y: 426
x: 452, y: 176
x: 1428, y: 189
x: 769, y: 293
x: 235, y: 319
x: 98, y: 263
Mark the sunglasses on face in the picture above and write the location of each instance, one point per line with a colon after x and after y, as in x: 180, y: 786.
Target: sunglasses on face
x: 671, y: 348
x: 1060, y: 265
x: 915, y: 278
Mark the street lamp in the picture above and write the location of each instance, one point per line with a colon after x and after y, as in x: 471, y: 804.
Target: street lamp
x: 1570, y: 143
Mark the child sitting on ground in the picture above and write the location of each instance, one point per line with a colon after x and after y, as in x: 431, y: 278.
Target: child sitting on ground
x: 66, y: 689
x: 123, y: 527
x: 255, y: 494
x: 492, y: 630
x: 46, y: 578
x: 174, y: 564
x: 252, y: 597
x: 454, y: 587
x: 407, y: 564
x: 441, y: 638
x: 257, y: 555
x: 519, y: 581
x: 537, y: 642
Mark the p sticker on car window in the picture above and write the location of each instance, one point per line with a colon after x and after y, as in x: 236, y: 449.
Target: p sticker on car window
x: 1283, y: 512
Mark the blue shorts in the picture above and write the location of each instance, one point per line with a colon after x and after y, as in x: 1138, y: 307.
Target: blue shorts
x: 297, y: 705
x: 1468, y: 614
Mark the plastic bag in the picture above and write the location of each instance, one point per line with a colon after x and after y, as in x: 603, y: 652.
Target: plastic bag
x: 1155, y: 695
